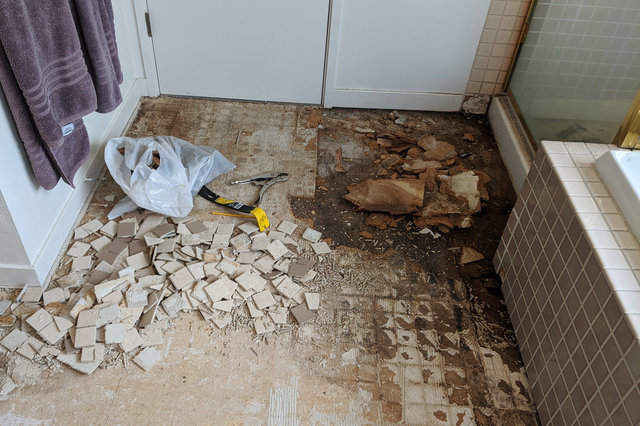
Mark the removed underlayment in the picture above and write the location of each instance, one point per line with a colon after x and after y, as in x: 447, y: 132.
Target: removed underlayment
x: 404, y: 333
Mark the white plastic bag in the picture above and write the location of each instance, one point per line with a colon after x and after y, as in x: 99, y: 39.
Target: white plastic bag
x: 169, y: 189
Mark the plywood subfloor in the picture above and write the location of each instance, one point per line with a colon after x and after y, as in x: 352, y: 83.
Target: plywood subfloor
x: 404, y: 334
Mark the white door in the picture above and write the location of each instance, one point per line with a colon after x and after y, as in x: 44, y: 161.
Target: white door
x: 241, y: 49
x: 404, y: 54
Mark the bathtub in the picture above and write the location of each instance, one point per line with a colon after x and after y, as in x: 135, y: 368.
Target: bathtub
x: 620, y: 172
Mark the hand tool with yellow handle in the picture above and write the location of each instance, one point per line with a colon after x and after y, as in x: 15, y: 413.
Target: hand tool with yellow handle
x: 257, y: 212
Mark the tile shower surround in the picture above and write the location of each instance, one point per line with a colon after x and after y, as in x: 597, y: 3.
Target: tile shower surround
x: 570, y: 271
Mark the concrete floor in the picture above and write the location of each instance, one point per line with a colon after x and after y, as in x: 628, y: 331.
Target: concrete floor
x: 404, y: 334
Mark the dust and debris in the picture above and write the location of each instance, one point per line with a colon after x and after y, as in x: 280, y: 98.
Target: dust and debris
x: 416, y: 322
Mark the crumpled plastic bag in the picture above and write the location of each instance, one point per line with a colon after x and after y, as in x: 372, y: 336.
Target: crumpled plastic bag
x: 184, y: 168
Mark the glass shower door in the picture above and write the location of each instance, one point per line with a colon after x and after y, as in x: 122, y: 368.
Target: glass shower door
x: 578, y: 70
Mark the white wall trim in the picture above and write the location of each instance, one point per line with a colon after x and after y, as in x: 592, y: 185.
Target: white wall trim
x: 515, y: 155
x: 16, y: 276
x: 422, y: 101
x: 46, y: 256
x: 146, y: 49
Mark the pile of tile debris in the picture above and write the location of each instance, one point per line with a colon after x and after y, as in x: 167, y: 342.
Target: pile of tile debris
x: 148, y: 269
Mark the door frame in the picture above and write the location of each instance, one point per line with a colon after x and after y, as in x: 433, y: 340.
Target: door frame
x: 141, y: 9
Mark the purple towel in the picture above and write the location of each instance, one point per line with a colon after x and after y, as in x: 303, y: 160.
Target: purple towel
x: 95, y: 19
x: 46, y: 81
x: 43, y: 49
x: 48, y: 163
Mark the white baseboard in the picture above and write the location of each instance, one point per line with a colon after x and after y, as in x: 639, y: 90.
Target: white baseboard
x: 16, y: 276
x: 59, y: 233
x: 515, y: 154
x: 421, y: 101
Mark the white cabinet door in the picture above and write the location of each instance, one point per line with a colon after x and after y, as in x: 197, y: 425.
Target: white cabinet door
x: 404, y: 54
x: 241, y: 49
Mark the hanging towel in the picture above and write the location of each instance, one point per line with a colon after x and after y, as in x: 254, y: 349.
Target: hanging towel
x: 42, y: 46
x: 48, y: 163
x: 96, y: 26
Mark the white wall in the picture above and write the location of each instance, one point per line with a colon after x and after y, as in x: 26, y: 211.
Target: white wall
x: 43, y: 219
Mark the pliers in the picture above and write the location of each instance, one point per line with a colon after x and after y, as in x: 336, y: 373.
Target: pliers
x: 266, y: 181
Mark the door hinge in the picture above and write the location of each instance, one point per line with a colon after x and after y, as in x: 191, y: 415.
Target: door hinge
x: 147, y: 20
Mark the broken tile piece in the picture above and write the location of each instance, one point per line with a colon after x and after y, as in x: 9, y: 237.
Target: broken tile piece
x: 253, y: 310
x: 240, y: 241
x: 78, y: 249
x: 221, y: 289
x: 302, y: 314
x: 126, y: 229
x: 313, y: 301
x: 264, y: 299
x: 223, y: 305
x: 287, y: 227
x: 138, y: 261
x: 131, y: 341
x: 197, y: 270
x: 321, y: 248
x: 277, y: 235
x: 225, y: 229
x: 228, y: 266
x: 108, y: 314
x: 163, y: 231
x: 220, y: 241
x: 32, y: 294
x: 100, y: 243
x: 93, y: 225
x: 260, y: 242
x: 251, y: 280
x: 109, y: 229
x: 85, y: 336
x: 137, y: 246
x: 279, y: 315
x: 80, y: 233
x: 136, y: 298
x: 72, y: 361
x: 52, y: 334
x: 277, y: 249
x: 300, y: 268
x: 181, y: 278
x: 55, y: 295
x: 82, y: 263
x: 248, y: 228
x: 264, y: 264
x: 86, y: 355
x: 288, y: 288
x: 26, y: 350
x: 14, y: 340
x: 196, y: 227
x: 147, y: 358
x: 63, y: 324
x: 311, y: 235
x: 173, y: 304
x: 40, y: 319
x: 87, y: 318
x: 114, y: 333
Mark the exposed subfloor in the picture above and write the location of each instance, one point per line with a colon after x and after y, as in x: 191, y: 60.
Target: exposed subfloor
x: 405, y: 334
